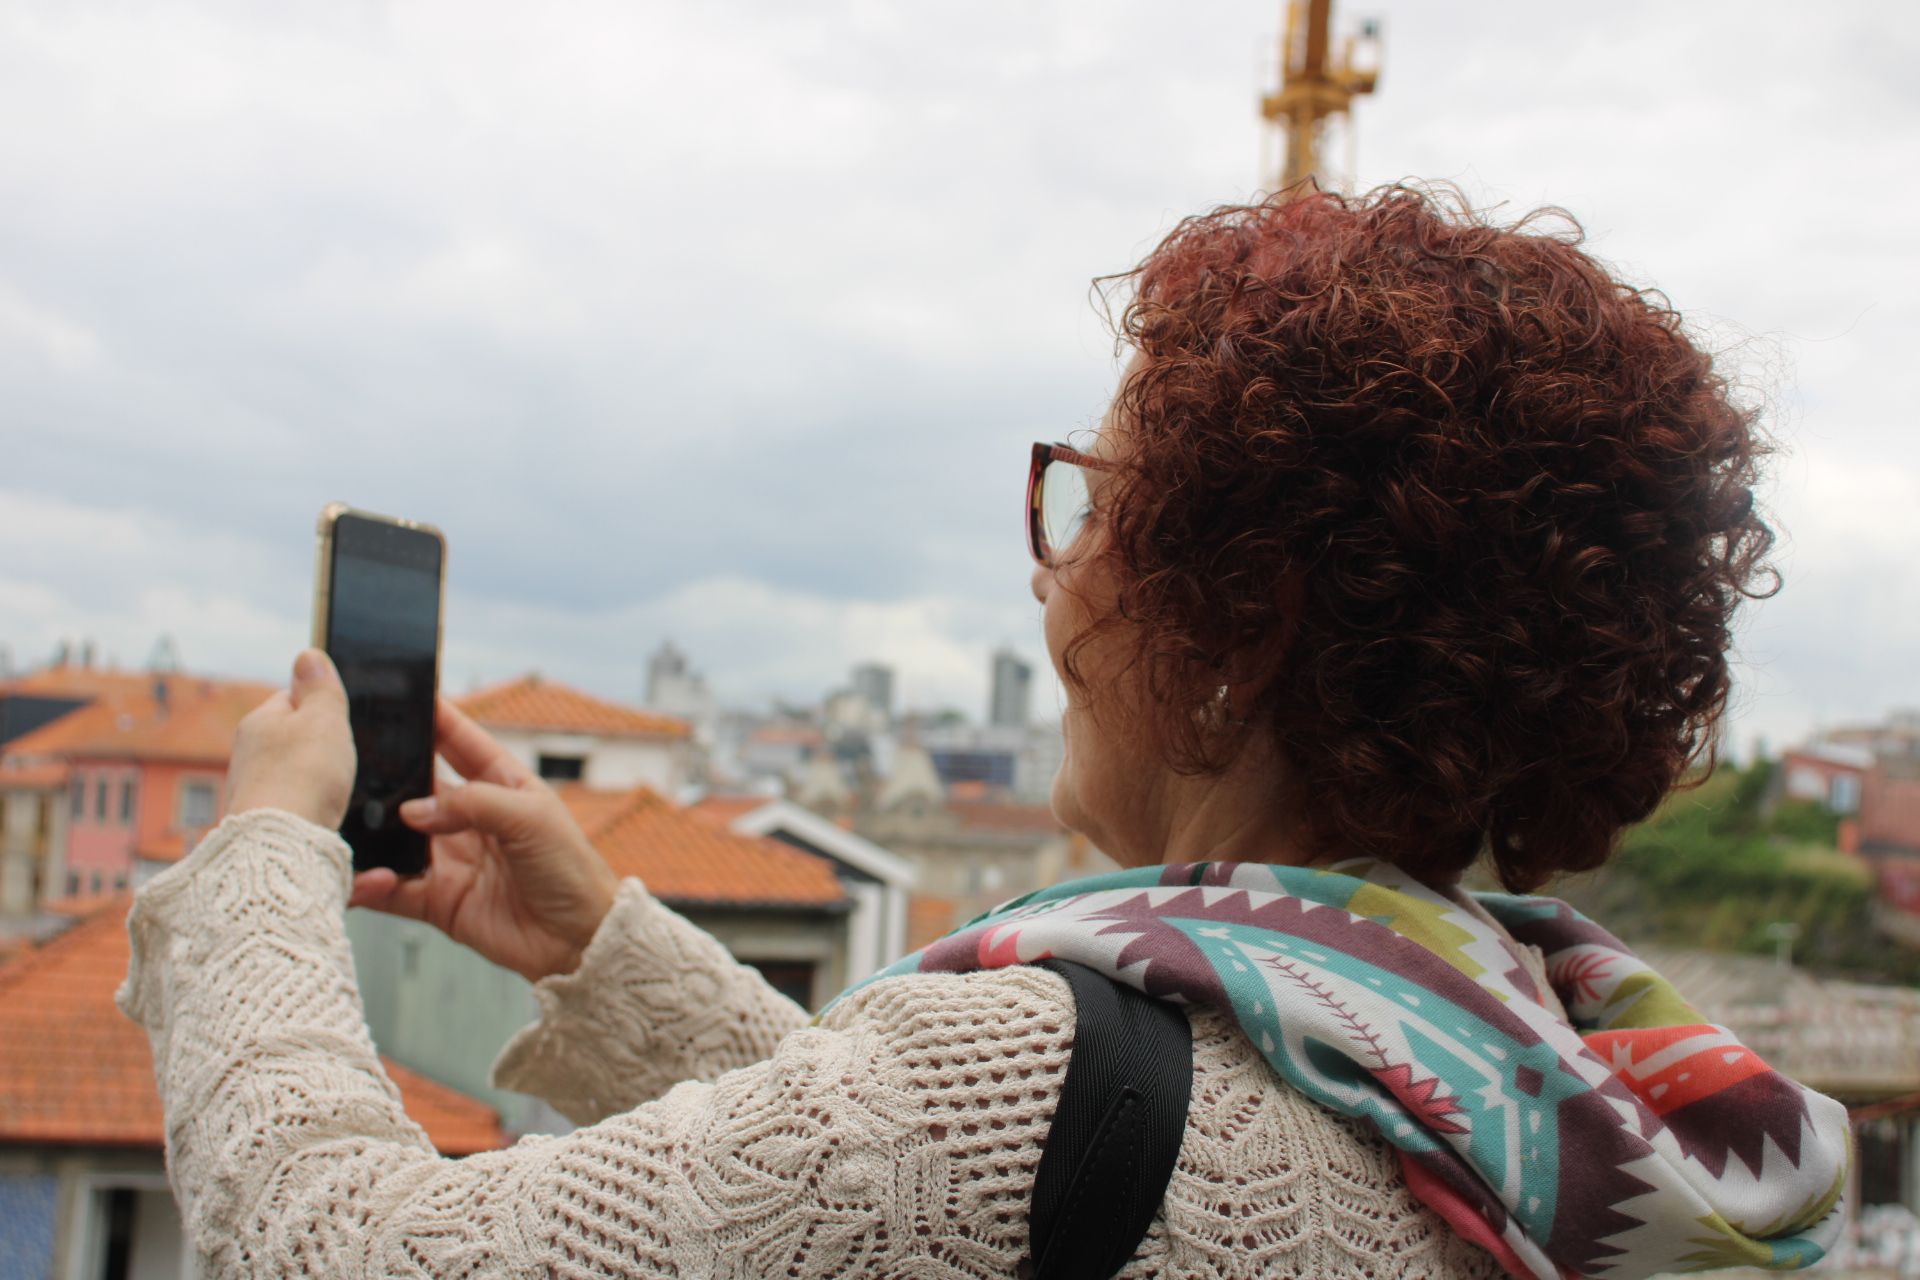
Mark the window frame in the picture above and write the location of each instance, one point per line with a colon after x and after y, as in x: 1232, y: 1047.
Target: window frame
x: 86, y: 1228
x: 189, y: 785
x: 543, y: 761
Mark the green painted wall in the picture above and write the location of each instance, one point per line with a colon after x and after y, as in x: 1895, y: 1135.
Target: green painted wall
x: 437, y: 1007
x: 441, y: 1009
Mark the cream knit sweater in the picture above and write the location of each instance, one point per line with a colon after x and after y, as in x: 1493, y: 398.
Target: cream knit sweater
x: 724, y: 1135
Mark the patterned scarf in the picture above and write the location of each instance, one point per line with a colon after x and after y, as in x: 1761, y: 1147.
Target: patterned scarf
x: 1639, y: 1139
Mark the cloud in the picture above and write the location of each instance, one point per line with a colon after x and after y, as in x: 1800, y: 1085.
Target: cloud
x: 756, y: 641
x: 734, y: 321
x: 235, y: 605
x: 43, y: 337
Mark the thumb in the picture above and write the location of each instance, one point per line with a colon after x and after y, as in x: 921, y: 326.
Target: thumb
x: 314, y: 678
x: 505, y: 813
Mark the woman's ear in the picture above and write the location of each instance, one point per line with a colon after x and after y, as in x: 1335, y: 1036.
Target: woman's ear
x: 1258, y: 660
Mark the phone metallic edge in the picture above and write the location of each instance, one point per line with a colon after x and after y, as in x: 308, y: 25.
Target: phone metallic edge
x: 323, y: 573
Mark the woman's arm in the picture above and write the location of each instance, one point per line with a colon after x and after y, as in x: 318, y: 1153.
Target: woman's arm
x: 900, y: 1138
x: 513, y: 876
x: 656, y: 1000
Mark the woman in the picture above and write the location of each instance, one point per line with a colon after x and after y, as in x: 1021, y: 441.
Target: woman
x: 1409, y: 540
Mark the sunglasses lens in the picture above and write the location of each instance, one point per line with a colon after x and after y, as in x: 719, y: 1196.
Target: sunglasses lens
x: 1063, y: 505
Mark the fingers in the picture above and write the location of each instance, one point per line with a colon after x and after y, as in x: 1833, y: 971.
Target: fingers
x: 505, y: 813
x: 277, y: 703
x: 296, y: 757
x: 381, y: 889
x: 314, y: 679
x: 472, y: 751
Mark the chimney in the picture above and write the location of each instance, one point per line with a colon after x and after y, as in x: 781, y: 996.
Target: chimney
x: 61, y: 652
x: 86, y: 653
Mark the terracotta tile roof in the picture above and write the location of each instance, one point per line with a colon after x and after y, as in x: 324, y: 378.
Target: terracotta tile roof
x: 775, y: 735
x: 32, y: 777
x: 534, y: 702
x: 168, y: 847
x: 593, y: 807
x: 929, y: 917
x: 993, y: 815
x: 196, y: 723
x: 684, y: 858
x: 74, y: 1069
x: 1852, y: 1039
x: 721, y: 811
x: 82, y: 905
x: 71, y: 680
x: 456, y: 1124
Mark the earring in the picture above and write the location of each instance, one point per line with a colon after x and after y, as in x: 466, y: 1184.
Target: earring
x: 1219, y: 711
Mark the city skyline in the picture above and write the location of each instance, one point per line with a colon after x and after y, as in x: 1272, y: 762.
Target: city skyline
x: 256, y: 261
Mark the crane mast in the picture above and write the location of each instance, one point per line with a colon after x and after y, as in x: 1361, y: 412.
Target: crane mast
x: 1315, y: 86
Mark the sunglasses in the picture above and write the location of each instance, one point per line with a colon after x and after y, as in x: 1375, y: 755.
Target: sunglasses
x: 1057, y: 499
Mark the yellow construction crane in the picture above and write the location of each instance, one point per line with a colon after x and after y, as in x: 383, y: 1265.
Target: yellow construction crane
x: 1314, y: 87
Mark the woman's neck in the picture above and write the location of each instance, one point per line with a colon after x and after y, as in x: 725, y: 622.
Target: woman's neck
x: 1240, y: 815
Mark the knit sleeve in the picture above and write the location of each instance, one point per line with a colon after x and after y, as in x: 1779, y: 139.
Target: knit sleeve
x: 656, y: 1000
x: 900, y: 1137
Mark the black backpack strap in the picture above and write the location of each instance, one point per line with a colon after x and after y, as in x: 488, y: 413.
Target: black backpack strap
x: 1117, y: 1131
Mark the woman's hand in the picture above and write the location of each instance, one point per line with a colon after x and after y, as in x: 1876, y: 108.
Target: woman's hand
x: 512, y: 875
x: 295, y: 750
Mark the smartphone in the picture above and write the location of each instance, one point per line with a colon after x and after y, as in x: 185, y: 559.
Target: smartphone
x: 378, y: 598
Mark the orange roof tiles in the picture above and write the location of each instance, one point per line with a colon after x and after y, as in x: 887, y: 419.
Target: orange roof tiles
x: 456, y: 1124
x: 1013, y: 819
x: 534, y: 702
x: 170, y: 846
x: 593, y: 807
x: 685, y: 858
x: 195, y: 722
x: 72, y: 680
x: 723, y: 810
x: 74, y: 1069
x: 32, y: 777
x: 800, y: 735
x: 929, y: 917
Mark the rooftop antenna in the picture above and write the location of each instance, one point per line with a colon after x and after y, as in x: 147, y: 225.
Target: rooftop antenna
x: 165, y: 657
x: 1316, y: 86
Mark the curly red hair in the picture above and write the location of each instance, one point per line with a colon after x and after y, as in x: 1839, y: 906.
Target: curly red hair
x: 1469, y: 515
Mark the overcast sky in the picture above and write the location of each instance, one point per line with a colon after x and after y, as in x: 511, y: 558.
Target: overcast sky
x: 732, y: 322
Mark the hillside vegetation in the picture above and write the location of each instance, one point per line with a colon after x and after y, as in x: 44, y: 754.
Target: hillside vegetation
x: 1714, y: 869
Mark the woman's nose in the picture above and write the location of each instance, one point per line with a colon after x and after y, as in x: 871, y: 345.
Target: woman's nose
x: 1041, y: 582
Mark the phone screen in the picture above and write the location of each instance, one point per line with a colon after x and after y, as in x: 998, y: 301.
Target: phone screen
x: 383, y: 633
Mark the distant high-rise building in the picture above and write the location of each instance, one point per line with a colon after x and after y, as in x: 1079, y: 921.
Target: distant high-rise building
x: 666, y: 670
x: 1012, y: 690
x: 874, y: 682
x: 678, y: 690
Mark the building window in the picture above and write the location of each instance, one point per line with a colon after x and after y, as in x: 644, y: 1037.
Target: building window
x: 73, y: 883
x: 196, y: 804
x: 791, y: 978
x: 94, y: 886
x: 79, y: 797
x: 120, y: 881
x: 128, y: 1227
x: 1843, y: 793
x: 562, y: 768
x: 126, y: 802
x: 100, y: 798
